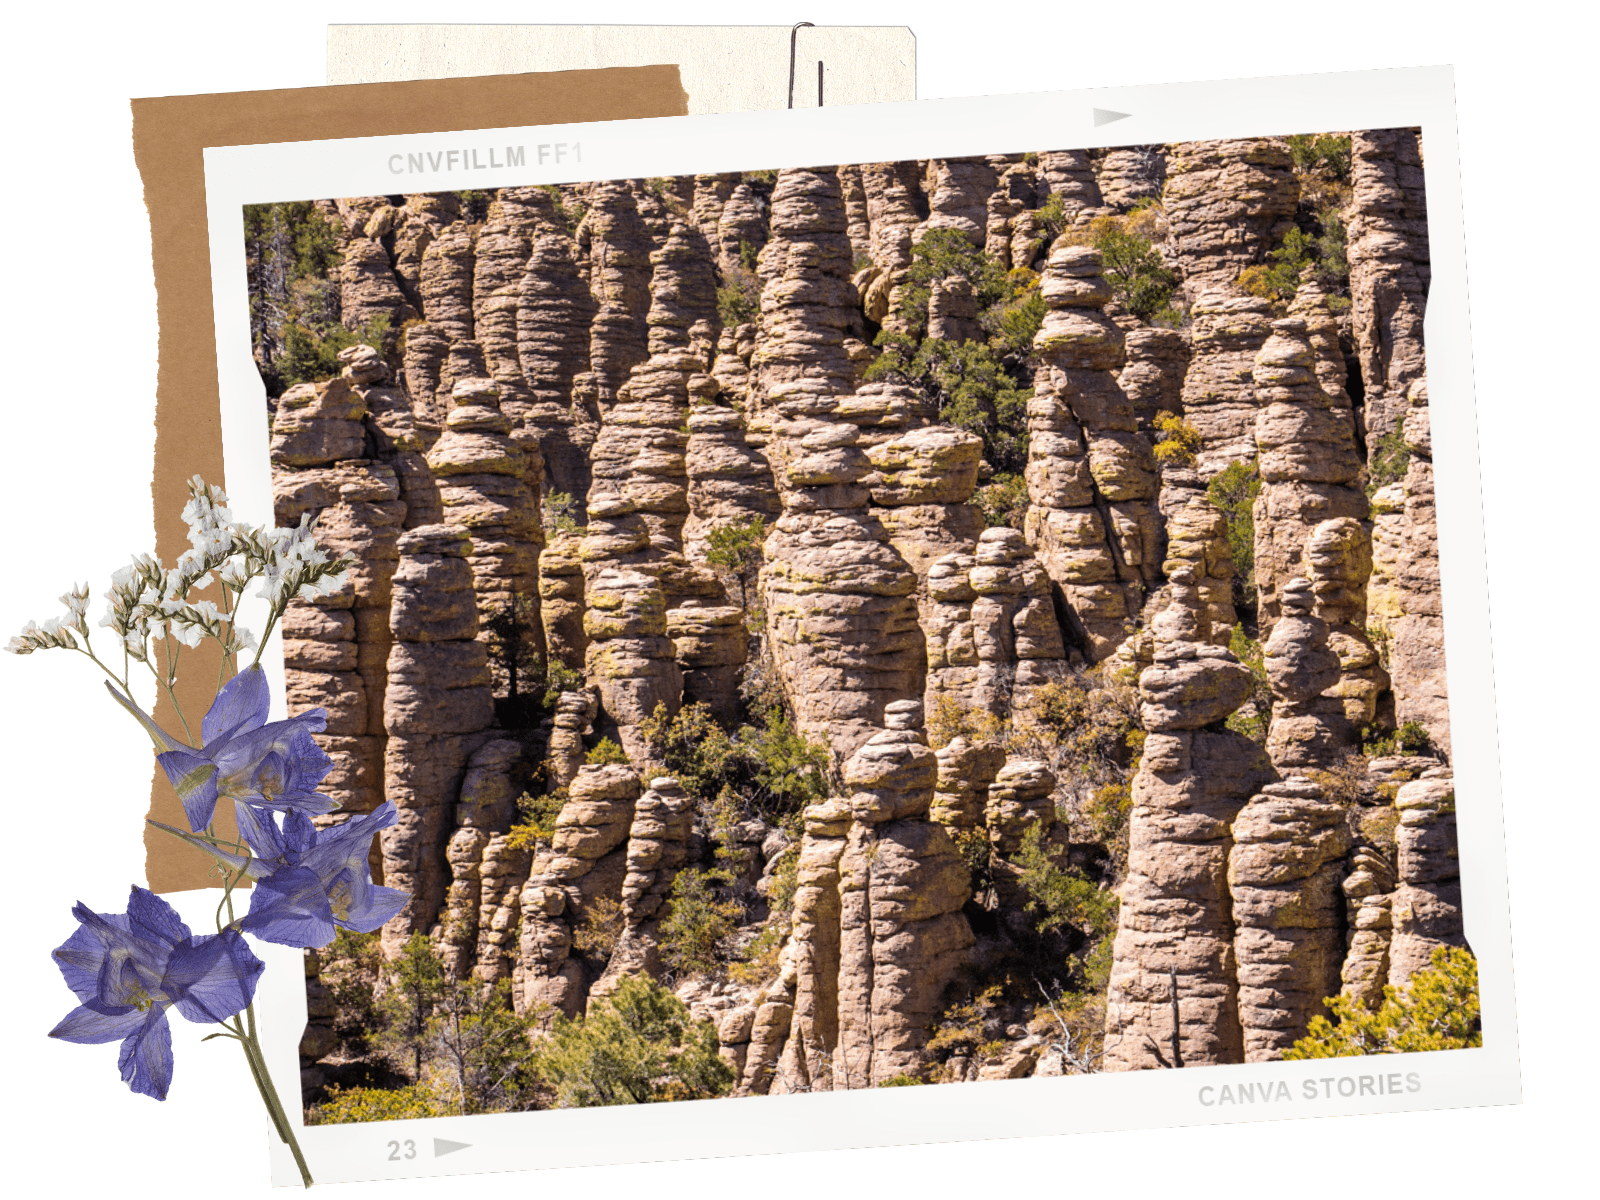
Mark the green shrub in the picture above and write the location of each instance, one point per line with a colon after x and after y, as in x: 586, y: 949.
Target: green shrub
x: 941, y: 255
x: 948, y: 719
x: 963, y: 1028
x: 1003, y: 500
x: 1062, y: 896
x: 478, y: 1048
x: 1014, y: 320
x: 902, y: 1081
x: 606, y: 753
x: 1279, y: 278
x: 764, y: 770
x: 1178, y: 442
x: 1233, y: 492
x: 416, y: 981
x: 739, y: 297
x: 635, y: 1046
x: 311, y: 351
x: 1321, y: 154
x: 698, y: 927
x: 539, y: 812
x: 558, y: 678
x: 349, y: 968
x: 1391, y: 458
x: 1133, y: 268
x: 561, y: 512
x: 980, y: 386
x: 1411, y: 738
x: 345, y: 1106
x: 1436, y: 1010
x: 1050, y: 218
x: 1322, y: 167
x: 737, y: 548
x: 1255, y: 717
x: 1132, y: 265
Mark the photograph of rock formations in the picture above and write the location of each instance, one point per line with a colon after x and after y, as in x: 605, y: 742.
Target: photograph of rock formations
x: 877, y: 625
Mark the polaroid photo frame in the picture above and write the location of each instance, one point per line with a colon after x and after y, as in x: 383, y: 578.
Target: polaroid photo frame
x: 1222, y: 1091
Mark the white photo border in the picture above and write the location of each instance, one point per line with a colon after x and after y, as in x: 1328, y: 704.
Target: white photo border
x: 1412, y: 97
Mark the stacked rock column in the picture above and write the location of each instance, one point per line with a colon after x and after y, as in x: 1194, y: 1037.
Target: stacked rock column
x: 437, y: 710
x: 657, y: 847
x: 483, y: 810
x: 841, y: 616
x: 1389, y: 271
x: 336, y: 649
x: 1228, y: 203
x: 489, y: 488
x: 1427, y: 901
x: 1173, y: 997
x: 1091, y: 481
x: 584, y: 865
x: 902, y: 883
x: 1309, y: 462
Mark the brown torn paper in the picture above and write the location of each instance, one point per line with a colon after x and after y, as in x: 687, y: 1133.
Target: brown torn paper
x: 169, y: 135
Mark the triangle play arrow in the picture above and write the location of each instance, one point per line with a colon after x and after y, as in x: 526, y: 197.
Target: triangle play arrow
x: 441, y: 1147
x: 1104, y: 116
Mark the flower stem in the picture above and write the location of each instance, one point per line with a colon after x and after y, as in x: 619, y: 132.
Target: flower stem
x: 269, y: 1094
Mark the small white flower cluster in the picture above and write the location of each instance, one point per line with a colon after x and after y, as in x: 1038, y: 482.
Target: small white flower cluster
x: 56, y: 633
x: 135, y: 612
x: 146, y: 601
x: 290, y: 564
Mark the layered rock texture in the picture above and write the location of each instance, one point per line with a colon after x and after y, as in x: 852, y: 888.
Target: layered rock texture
x: 1174, y: 992
x: 1091, y: 478
x: 986, y: 572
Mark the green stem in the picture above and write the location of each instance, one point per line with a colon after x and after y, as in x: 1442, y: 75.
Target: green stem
x: 265, y: 634
x: 172, y: 667
x: 269, y: 1094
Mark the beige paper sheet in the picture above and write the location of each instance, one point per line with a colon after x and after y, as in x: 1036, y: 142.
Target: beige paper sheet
x: 726, y: 68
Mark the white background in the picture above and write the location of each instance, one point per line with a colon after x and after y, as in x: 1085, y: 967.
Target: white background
x: 79, y: 312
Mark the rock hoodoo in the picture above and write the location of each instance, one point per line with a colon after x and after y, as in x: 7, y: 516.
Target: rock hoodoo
x: 822, y: 597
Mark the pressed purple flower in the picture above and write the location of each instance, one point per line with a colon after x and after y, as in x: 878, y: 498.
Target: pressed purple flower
x: 322, y: 880
x: 276, y: 766
x: 309, y: 882
x: 128, y: 968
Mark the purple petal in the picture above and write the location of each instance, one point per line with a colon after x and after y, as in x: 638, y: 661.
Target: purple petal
x: 236, y: 755
x: 194, y: 777
x: 290, y: 907
x: 241, y: 705
x: 347, y: 844
x: 306, y: 765
x: 146, y: 1058
x: 299, y: 834
x: 213, y: 977
x: 92, y: 1024
x: 149, y: 916
x: 310, y: 802
x: 373, y: 907
x: 79, y: 959
x: 261, y: 833
x: 111, y: 928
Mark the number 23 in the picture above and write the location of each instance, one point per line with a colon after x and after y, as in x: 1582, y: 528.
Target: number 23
x: 394, y: 1150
